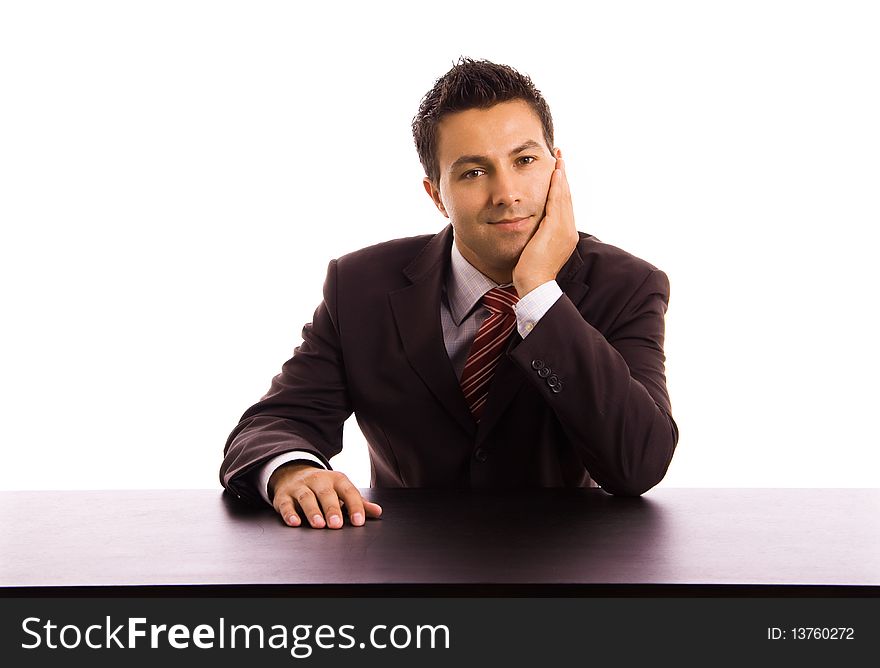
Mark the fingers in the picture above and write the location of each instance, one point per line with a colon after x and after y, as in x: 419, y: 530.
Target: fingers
x: 351, y: 497
x: 373, y: 509
x: 288, y: 513
x: 559, y: 195
x: 358, y: 508
x: 317, y: 496
x: 329, y: 500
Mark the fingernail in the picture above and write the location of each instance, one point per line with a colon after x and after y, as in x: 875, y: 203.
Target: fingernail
x: 357, y: 519
x: 293, y: 519
x: 317, y: 519
x: 335, y: 521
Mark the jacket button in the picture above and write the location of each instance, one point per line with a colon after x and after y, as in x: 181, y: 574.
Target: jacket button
x: 537, y: 364
x: 544, y: 371
x: 556, y: 389
x: 553, y: 380
x: 481, y: 455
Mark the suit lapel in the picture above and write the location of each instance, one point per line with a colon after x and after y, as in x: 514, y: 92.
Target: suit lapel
x: 416, y: 310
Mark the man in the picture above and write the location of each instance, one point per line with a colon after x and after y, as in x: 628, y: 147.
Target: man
x: 508, y: 350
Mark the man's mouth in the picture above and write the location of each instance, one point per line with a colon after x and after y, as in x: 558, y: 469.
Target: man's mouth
x: 510, y: 223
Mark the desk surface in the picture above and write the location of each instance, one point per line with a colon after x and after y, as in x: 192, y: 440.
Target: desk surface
x: 428, y: 541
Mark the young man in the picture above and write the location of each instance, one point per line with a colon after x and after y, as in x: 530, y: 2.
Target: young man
x: 506, y: 351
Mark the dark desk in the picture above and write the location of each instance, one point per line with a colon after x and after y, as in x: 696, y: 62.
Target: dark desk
x: 551, y: 542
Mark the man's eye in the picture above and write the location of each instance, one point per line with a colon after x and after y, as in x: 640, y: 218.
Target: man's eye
x: 527, y: 159
x: 472, y: 174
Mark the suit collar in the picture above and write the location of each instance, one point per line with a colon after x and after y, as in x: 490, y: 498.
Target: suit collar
x: 569, y: 277
x: 432, y: 258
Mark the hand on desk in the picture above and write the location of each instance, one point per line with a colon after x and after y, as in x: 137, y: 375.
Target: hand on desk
x: 317, y: 493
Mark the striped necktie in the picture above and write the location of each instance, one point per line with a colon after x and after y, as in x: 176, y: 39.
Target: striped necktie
x: 488, y: 344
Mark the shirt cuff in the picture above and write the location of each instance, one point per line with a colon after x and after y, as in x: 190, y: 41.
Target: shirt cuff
x: 531, y: 308
x: 267, y: 469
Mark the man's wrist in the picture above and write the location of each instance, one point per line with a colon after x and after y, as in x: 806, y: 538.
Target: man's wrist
x: 531, y: 308
x: 525, y: 285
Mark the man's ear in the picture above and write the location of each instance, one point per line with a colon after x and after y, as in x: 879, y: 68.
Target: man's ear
x: 434, y: 194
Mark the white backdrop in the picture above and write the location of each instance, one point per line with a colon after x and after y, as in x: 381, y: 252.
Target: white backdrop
x: 175, y: 176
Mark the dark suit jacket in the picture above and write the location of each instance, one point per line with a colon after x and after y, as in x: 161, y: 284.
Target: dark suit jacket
x: 375, y: 347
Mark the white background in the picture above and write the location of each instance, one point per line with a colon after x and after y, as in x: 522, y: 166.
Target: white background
x: 175, y: 176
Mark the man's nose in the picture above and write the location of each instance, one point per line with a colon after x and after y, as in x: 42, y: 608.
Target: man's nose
x: 505, y: 188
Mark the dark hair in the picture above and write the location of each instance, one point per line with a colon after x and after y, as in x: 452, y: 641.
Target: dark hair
x: 472, y: 84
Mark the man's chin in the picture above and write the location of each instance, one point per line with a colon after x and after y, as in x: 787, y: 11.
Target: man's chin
x: 511, y: 259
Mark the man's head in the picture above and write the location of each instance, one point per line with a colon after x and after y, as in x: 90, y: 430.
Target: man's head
x: 484, y: 135
x: 472, y: 84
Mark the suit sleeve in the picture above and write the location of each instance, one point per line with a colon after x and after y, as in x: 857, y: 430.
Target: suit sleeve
x: 304, y: 409
x: 608, y: 390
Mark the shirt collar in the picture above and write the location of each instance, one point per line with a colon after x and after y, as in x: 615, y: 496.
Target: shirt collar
x: 465, y: 286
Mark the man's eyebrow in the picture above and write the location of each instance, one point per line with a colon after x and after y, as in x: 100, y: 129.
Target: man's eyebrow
x: 481, y: 159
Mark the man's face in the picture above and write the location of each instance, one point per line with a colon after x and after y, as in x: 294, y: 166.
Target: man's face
x: 495, y: 170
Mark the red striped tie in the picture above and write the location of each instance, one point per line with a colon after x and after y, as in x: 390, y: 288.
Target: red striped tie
x: 486, y: 350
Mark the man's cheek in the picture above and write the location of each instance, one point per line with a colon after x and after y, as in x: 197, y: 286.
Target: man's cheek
x: 545, y: 190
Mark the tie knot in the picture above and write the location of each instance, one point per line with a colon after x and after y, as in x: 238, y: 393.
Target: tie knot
x: 501, y: 300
